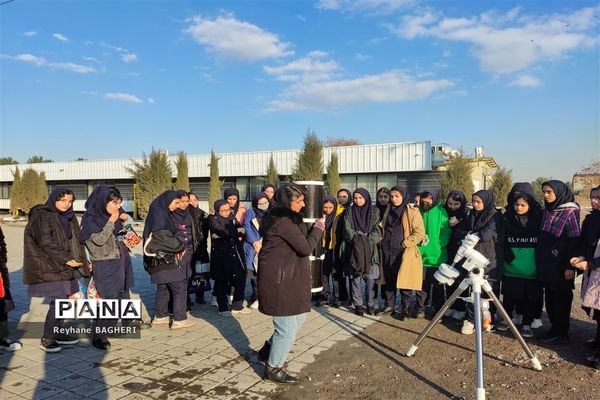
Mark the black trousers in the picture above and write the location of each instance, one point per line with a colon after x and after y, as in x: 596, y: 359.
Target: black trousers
x: 559, y: 297
x: 222, y: 289
x: 522, y: 295
x: 390, y: 273
x: 432, y: 289
x: 176, y: 290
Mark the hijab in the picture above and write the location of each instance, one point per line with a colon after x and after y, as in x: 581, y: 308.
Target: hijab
x: 257, y: 211
x: 562, y: 192
x: 349, y: 197
x: 590, y: 232
x: 232, y: 192
x: 159, y: 215
x: 330, y: 217
x: 460, y: 212
x: 381, y: 207
x: 66, y: 217
x: 397, y: 211
x: 361, y: 216
x: 182, y: 217
x: 481, y: 218
x: 95, y: 216
x: 531, y: 219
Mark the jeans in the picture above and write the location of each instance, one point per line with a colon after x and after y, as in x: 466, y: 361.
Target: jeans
x: 283, y: 338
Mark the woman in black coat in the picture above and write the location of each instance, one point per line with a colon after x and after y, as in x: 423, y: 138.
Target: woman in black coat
x: 485, y: 222
x: 166, y: 257
x: 284, y: 283
x: 52, y: 259
x: 227, y: 266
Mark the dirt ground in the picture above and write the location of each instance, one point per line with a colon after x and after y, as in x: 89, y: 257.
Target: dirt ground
x: 372, y: 365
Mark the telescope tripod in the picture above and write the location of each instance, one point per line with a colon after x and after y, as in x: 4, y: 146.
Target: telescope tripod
x: 477, y: 282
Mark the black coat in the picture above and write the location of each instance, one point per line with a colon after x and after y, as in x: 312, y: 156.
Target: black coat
x: 160, y: 251
x: 200, y: 221
x: 46, y: 248
x: 284, y: 283
x: 227, y: 252
x: 491, y: 241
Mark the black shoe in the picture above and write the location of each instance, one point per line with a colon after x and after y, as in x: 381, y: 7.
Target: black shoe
x: 336, y: 304
x: 278, y: 375
x: 66, y: 339
x: 555, y: 339
x: 101, y: 343
x: 263, y: 353
x: 10, y: 345
x: 593, y: 343
x: 385, y: 310
x: 420, y: 314
x: 200, y: 300
x: 358, y: 311
x: 50, y: 345
x: 370, y: 311
x: 320, y: 303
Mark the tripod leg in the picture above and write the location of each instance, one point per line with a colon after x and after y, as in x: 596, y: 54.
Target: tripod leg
x: 480, y: 389
x: 534, y: 360
x: 461, y: 288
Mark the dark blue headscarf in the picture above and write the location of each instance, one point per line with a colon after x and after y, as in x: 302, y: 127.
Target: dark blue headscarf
x: 159, y: 215
x: 397, y: 211
x: 562, y: 192
x: 329, y: 218
x: 257, y: 211
x: 232, y: 192
x: 95, y: 216
x: 66, y: 217
x: 182, y: 217
x: 361, y: 216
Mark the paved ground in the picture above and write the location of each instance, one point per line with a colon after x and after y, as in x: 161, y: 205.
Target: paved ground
x: 216, y: 359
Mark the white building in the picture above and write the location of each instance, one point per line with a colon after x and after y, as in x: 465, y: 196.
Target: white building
x: 370, y: 166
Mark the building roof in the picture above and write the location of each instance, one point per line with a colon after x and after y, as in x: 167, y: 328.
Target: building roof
x: 368, y: 158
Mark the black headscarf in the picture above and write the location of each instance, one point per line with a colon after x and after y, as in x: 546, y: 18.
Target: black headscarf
x: 460, y: 212
x: 397, y: 211
x: 481, y: 218
x: 159, y: 215
x: 66, y: 217
x: 267, y: 185
x: 257, y: 211
x: 381, y: 207
x: 562, y: 192
x: 533, y: 217
x: 221, y: 220
x: 590, y: 231
x: 361, y: 216
x: 233, y: 192
x: 329, y: 218
x: 95, y: 216
x: 349, y: 197
x: 182, y: 217
x: 435, y: 195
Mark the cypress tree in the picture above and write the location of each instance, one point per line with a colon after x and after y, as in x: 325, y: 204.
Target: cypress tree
x: 334, y: 182
x: 272, y: 174
x: 457, y: 176
x: 310, y: 160
x: 501, y: 185
x: 214, y: 186
x: 16, y: 193
x: 153, y: 176
x: 183, y: 180
x: 33, y: 189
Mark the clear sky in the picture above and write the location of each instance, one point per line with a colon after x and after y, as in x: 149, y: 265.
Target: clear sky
x: 112, y: 79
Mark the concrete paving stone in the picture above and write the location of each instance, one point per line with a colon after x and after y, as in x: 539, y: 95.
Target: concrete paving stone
x: 10, y: 377
x: 43, y: 391
x: 79, y: 366
x: 198, y: 369
x: 6, y: 395
x: 201, y: 385
x: 265, y: 388
x: 242, y: 382
x: 22, y: 385
x: 316, y: 350
x: 88, y: 389
x: 134, y: 384
x: 156, y: 389
x: 35, y: 371
x: 223, y: 392
x: 157, y: 374
x: 296, y: 366
x: 249, y: 395
x: 217, y: 359
x: 181, y: 394
x: 111, y: 393
x: 140, y: 369
x: 98, y: 372
x: 71, y: 381
x: 115, y: 378
x: 137, y: 396
x: 179, y: 364
x: 54, y: 374
x: 179, y: 378
x: 221, y: 374
x: 65, y: 396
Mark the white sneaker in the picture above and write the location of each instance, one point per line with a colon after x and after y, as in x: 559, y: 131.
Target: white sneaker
x: 10, y: 345
x: 160, y: 321
x: 449, y: 313
x: 225, y: 313
x: 214, y: 302
x: 459, y: 315
x: 468, y: 328
x: 517, y: 319
x: 186, y: 323
x: 244, y: 310
x: 537, y: 323
x: 254, y: 305
x: 230, y: 299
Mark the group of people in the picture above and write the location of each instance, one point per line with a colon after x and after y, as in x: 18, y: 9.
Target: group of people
x: 372, y: 250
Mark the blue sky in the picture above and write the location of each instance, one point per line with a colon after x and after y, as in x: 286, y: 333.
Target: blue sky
x: 113, y: 79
